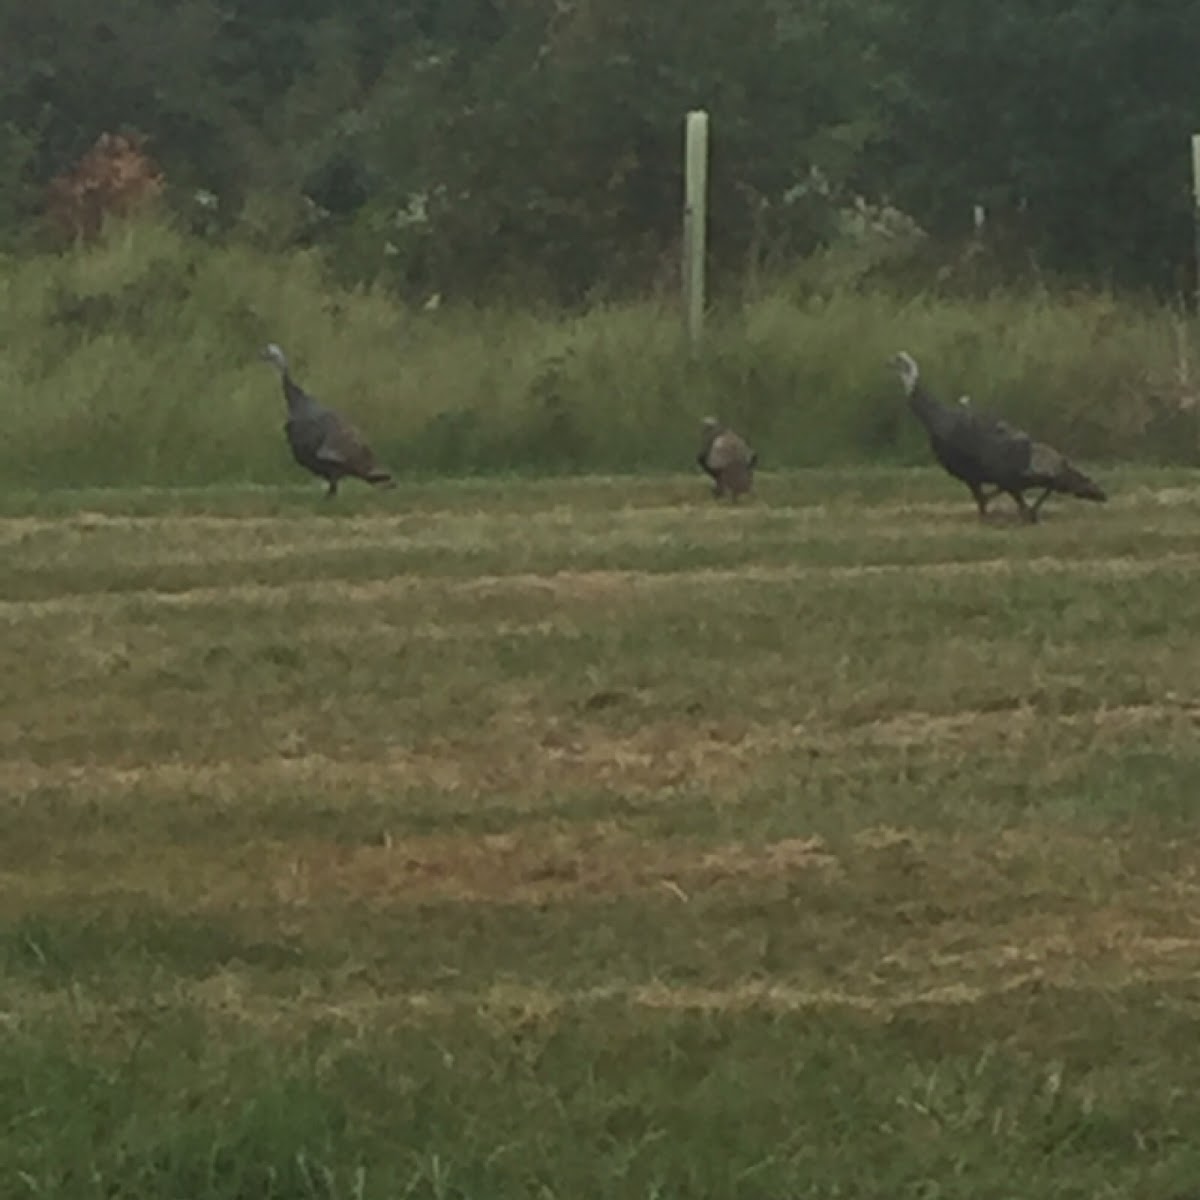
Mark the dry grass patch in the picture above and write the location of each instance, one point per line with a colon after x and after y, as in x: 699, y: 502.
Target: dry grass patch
x: 535, y: 867
x: 538, y: 754
x: 589, y: 586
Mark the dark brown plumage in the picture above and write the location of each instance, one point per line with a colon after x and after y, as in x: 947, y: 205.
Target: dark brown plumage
x: 323, y: 441
x: 981, y: 450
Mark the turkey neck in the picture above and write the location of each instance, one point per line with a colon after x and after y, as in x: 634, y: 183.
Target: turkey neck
x: 298, y: 401
x: 930, y: 412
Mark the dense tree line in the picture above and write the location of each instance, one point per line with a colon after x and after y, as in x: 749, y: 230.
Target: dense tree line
x: 480, y: 145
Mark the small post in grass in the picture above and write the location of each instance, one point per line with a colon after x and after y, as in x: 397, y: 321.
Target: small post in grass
x: 1196, y: 211
x: 695, y: 215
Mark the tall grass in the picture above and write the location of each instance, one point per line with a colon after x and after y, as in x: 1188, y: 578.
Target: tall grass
x: 134, y: 361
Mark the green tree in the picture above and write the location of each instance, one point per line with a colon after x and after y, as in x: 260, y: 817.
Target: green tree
x: 1068, y: 121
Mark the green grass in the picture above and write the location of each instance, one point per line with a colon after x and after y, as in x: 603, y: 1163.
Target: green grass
x: 133, y: 362
x: 584, y: 838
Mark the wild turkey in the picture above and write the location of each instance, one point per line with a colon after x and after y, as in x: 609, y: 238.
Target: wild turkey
x: 727, y: 458
x: 982, y: 450
x: 323, y: 441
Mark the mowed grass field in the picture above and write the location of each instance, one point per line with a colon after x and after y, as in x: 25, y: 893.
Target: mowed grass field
x: 577, y: 839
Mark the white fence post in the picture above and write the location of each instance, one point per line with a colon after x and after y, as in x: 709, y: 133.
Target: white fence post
x: 695, y: 218
x: 1196, y: 210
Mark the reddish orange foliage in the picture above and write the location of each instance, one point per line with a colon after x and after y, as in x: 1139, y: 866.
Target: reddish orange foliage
x: 115, y: 177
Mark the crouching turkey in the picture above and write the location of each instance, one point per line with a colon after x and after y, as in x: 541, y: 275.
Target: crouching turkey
x: 727, y: 459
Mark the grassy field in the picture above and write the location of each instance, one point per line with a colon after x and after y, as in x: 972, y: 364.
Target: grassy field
x: 586, y: 839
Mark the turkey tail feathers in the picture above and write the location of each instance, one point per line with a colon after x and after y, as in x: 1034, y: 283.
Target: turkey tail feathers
x: 1076, y: 483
